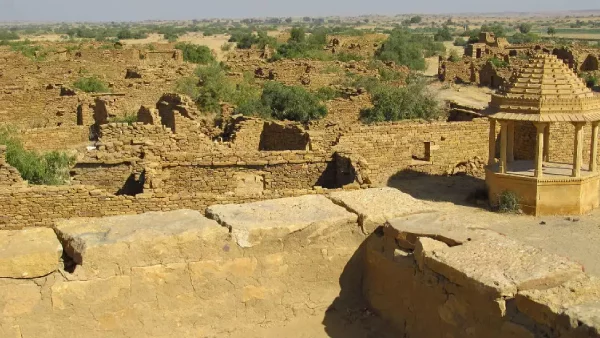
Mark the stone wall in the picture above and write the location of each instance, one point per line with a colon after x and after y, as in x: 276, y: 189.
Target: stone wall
x: 110, y: 176
x: 9, y: 176
x: 268, y: 263
x: 174, y: 274
x: 474, y: 283
x: 56, y: 138
x: 429, y: 147
x: 283, y: 136
x: 247, y: 173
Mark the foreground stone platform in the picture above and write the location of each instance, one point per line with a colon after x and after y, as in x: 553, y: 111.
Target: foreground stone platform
x: 28, y: 253
x: 376, y: 206
x: 166, y: 274
x: 252, y: 222
x: 110, y: 245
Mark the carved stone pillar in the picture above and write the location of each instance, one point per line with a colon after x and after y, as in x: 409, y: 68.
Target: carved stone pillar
x: 492, y: 144
x: 539, y: 148
x: 503, y: 145
x: 594, y: 147
x: 577, y: 149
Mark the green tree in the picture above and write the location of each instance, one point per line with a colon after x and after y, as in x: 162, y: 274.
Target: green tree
x: 443, y: 34
x: 282, y: 102
x: 405, y: 48
x: 551, y: 31
x: 297, y: 35
x: 415, y: 19
x: 460, y: 42
x: 525, y: 27
x: 195, y: 53
x: 414, y: 101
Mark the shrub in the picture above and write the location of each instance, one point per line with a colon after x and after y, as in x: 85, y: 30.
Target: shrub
x: 591, y: 80
x: 551, y: 31
x: 195, y: 53
x: 443, y: 34
x: 519, y: 38
x: 49, y: 168
x: 414, y: 101
x: 508, y: 202
x: 282, y: 102
x: 8, y: 35
x: 127, y: 118
x: 454, y: 57
x: 347, y: 57
x: 406, y: 48
x: 226, y: 46
x: 498, y: 63
x: 297, y: 35
x: 90, y: 84
x: 327, y: 93
x: 460, y: 42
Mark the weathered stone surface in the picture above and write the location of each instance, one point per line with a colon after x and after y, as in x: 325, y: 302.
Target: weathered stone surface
x: 498, y: 266
x: 585, y: 318
x: 435, y: 225
x: 426, y: 247
x: 547, y: 306
x: 376, y: 206
x: 28, y: 253
x: 252, y: 222
x: 113, y: 245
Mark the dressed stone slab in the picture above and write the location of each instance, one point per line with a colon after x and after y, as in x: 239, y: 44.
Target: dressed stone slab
x: 111, y: 246
x: 29, y: 253
x: 250, y: 223
x: 376, y: 206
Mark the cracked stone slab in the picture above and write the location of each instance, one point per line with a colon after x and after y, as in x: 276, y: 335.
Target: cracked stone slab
x: 252, y: 223
x: 548, y: 306
x: 435, y: 225
x: 498, y: 266
x: 29, y: 253
x: 109, y: 246
x: 376, y: 206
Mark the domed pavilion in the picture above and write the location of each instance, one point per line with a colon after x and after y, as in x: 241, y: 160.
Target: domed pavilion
x: 544, y: 93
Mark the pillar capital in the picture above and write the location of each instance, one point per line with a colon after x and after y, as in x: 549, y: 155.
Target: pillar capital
x: 541, y: 125
x: 578, y: 124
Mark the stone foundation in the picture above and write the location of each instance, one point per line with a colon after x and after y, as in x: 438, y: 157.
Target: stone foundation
x: 265, y: 264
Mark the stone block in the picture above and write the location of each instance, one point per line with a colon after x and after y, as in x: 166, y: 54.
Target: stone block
x: 376, y: 206
x: 29, y: 253
x: 436, y: 225
x: 252, y: 223
x: 496, y: 266
x: 548, y: 306
x: 113, y: 245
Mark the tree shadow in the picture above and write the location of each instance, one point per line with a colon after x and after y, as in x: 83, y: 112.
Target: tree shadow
x: 459, y: 189
x: 349, y: 315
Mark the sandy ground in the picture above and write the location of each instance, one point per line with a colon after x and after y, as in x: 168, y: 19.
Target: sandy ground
x: 473, y: 96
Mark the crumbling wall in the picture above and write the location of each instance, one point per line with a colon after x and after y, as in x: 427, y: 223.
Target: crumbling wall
x: 109, y: 176
x: 430, y: 147
x: 247, y: 173
x: 481, y: 284
x: 172, y: 274
x: 55, y: 138
x: 9, y: 176
x: 283, y: 136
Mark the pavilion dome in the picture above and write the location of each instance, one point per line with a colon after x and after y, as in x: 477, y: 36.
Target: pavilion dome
x: 545, y: 90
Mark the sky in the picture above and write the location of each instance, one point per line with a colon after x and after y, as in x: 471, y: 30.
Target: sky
x: 138, y: 10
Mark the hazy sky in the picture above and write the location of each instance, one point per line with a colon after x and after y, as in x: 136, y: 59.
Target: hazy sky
x: 135, y: 10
